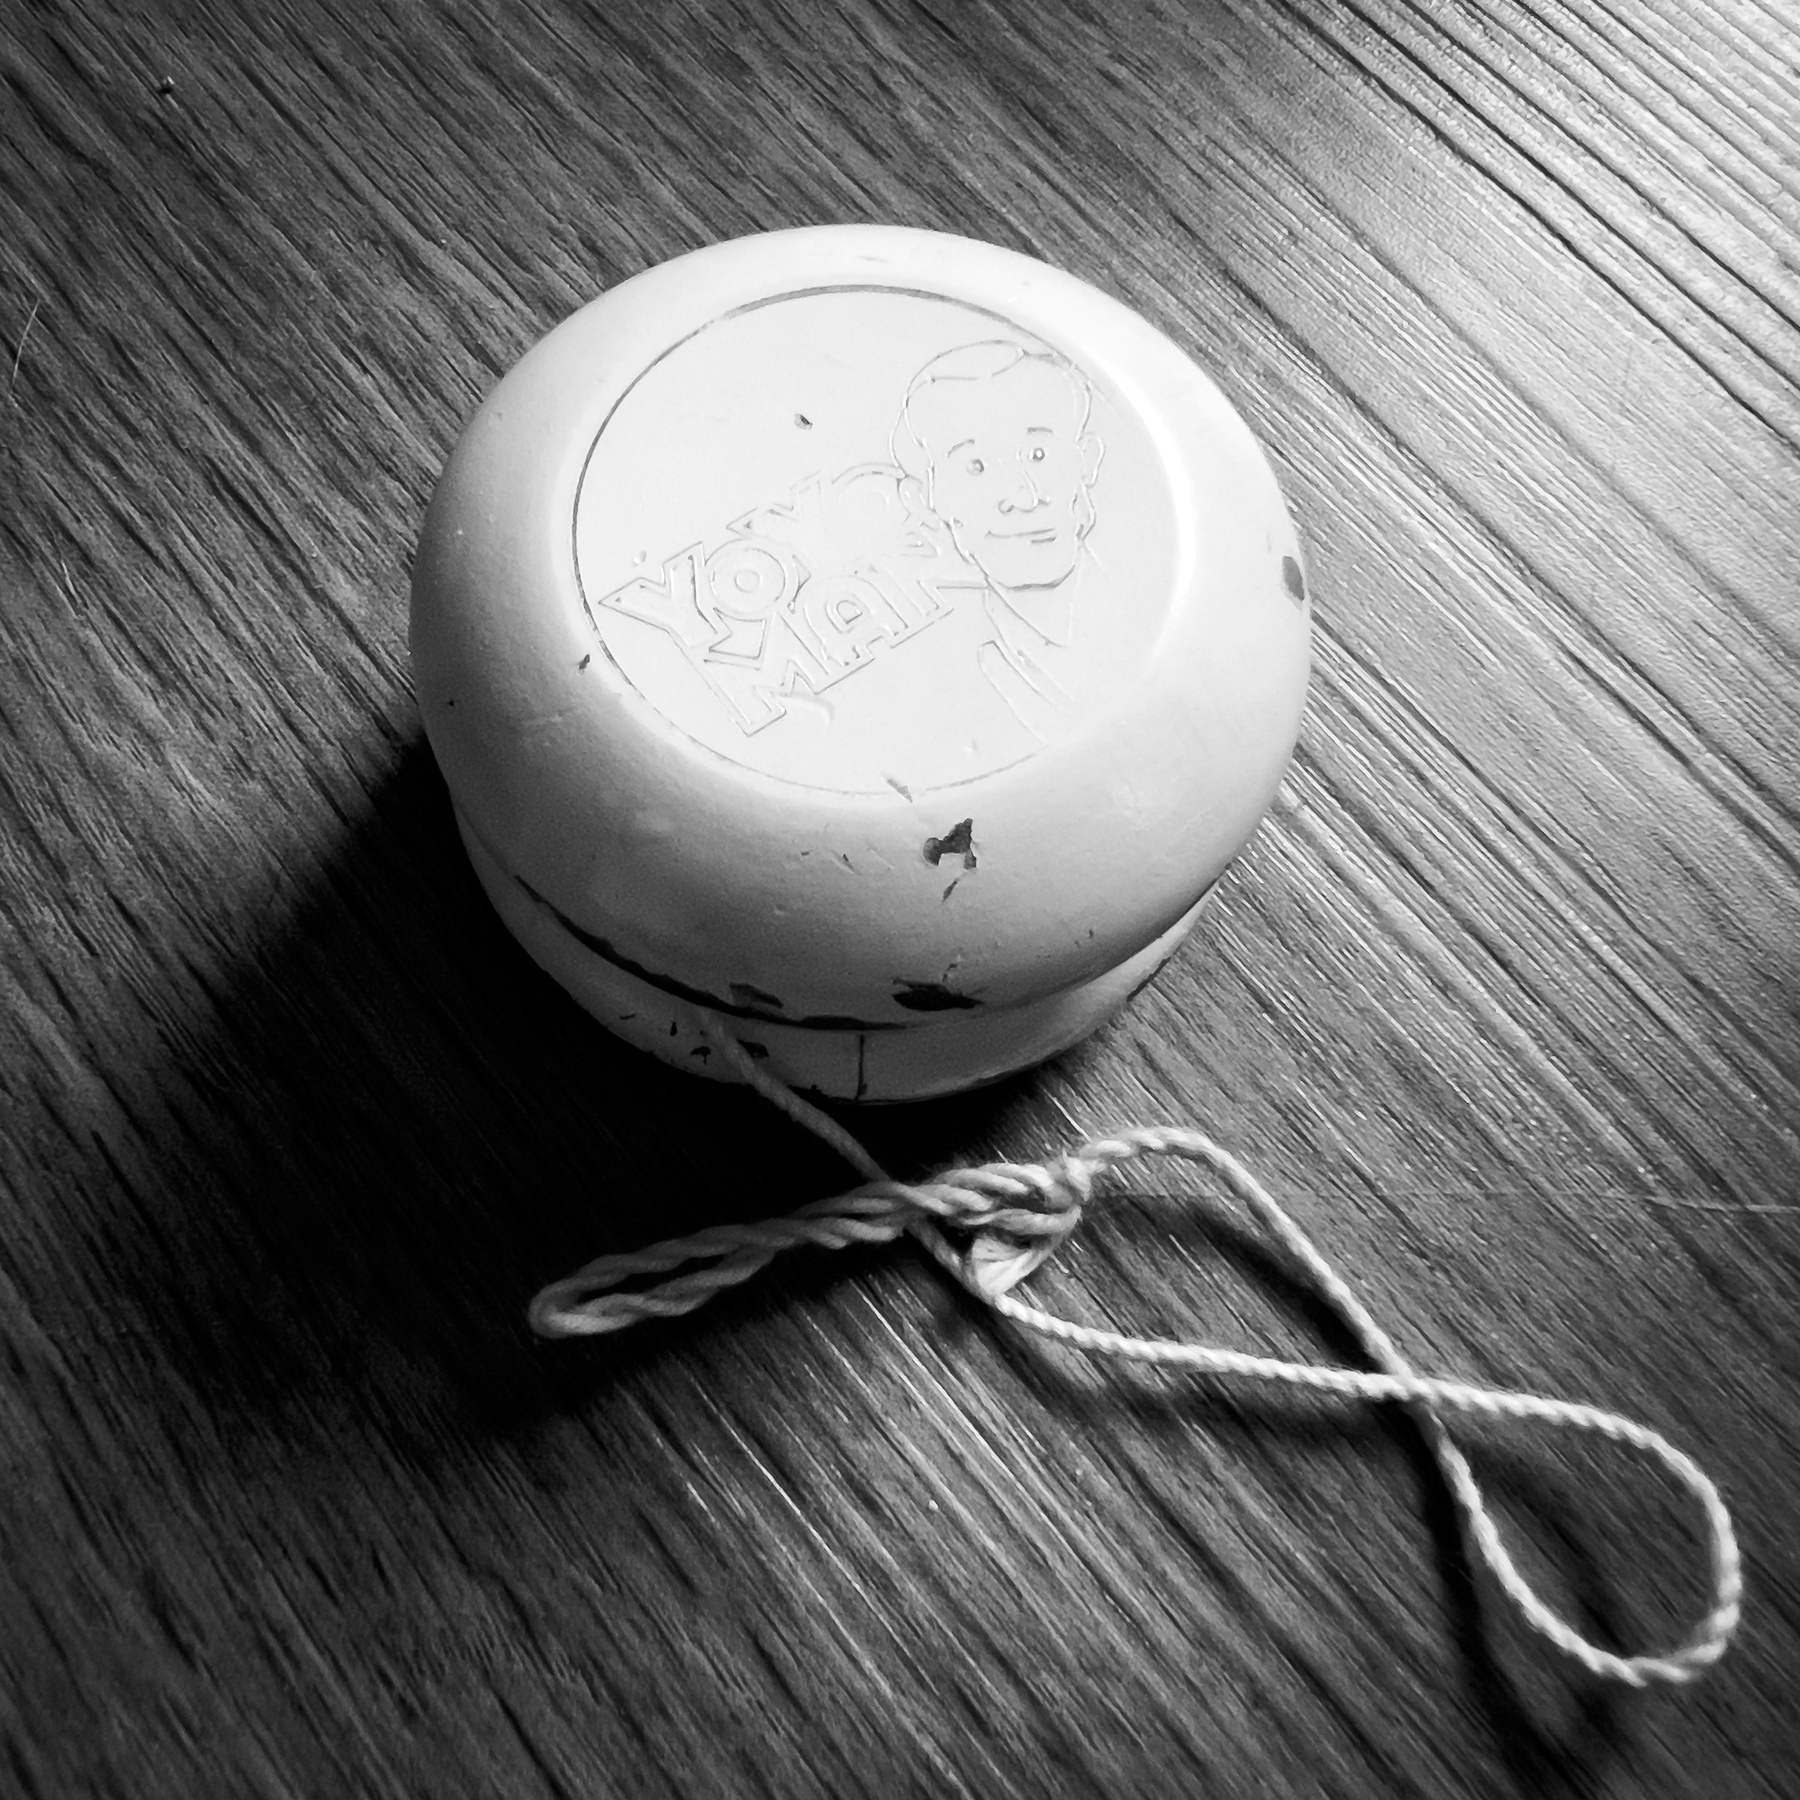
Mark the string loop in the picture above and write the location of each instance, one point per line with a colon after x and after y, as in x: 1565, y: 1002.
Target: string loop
x: 1010, y: 1217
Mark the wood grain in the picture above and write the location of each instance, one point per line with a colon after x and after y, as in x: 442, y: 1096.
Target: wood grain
x: 1504, y: 997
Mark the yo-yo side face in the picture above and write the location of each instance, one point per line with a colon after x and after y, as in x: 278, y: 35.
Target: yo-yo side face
x: 867, y: 540
x: 860, y: 627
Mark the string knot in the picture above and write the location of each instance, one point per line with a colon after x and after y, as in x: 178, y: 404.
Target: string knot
x: 1017, y: 1215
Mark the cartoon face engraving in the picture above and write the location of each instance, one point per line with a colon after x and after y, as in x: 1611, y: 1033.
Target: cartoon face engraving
x: 993, y: 437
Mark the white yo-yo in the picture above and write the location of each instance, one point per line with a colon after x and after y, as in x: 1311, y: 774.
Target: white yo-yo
x: 871, y: 643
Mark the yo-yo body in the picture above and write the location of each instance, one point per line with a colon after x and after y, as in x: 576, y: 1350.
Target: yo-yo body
x: 866, y: 642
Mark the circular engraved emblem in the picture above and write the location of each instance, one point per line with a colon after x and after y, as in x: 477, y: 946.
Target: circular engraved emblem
x: 866, y: 539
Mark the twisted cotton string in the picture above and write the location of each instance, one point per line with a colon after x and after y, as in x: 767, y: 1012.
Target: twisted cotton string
x: 1016, y: 1214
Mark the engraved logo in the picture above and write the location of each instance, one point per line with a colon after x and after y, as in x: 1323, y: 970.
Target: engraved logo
x: 982, y: 514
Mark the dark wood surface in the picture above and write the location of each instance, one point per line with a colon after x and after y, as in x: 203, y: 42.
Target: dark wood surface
x: 1503, y: 999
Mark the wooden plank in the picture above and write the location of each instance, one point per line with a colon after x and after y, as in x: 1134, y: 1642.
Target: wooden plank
x: 1502, y: 998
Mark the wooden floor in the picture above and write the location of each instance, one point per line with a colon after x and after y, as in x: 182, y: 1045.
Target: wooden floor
x: 1504, y: 999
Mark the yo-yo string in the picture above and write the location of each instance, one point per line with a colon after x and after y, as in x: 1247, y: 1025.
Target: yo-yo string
x: 1014, y: 1215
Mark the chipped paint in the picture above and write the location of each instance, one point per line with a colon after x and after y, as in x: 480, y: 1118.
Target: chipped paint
x: 959, y: 840
x: 931, y: 996
x: 1293, y: 580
